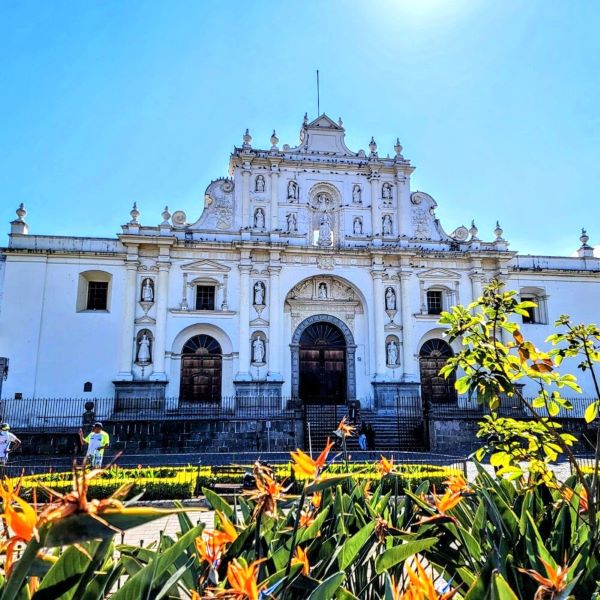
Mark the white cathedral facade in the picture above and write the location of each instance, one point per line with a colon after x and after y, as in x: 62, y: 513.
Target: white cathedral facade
x: 313, y: 272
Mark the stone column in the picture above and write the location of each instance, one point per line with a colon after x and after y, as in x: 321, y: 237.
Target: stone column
x: 403, y: 203
x: 160, y: 339
x: 275, y: 320
x: 408, y: 339
x: 476, y: 285
x: 274, y: 197
x: 375, y: 214
x: 246, y: 195
x: 128, y: 324
x: 244, y: 327
x: 378, y: 308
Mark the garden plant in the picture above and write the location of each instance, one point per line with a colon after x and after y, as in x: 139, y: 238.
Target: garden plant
x: 514, y: 533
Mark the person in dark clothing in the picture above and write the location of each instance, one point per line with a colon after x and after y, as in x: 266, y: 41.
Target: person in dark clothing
x: 370, y: 437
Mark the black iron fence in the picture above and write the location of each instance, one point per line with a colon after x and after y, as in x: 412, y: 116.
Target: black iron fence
x: 55, y: 414
x: 397, y: 425
x: 468, y: 407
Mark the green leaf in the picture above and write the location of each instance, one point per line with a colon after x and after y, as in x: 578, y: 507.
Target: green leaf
x: 591, y: 412
x: 326, y: 590
x: 501, y: 590
x: 353, y: 545
x: 153, y: 578
x: 397, y: 554
x: 329, y: 482
x: 217, y: 502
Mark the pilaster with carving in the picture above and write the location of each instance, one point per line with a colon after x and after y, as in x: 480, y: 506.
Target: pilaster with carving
x: 128, y: 324
x: 275, y: 324
x: 409, y: 351
x: 160, y: 340
x: 246, y: 172
x: 244, y: 316
x: 274, y: 198
x: 378, y: 310
x: 375, y: 212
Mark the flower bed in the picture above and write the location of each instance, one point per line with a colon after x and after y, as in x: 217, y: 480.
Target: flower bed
x: 180, y: 483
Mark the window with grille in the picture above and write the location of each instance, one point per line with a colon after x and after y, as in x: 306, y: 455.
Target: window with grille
x: 205, y: 297
x: 434, y: 302
x: 97, y: 295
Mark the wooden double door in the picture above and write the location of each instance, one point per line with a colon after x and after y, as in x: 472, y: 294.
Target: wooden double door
x: 436, y: 389
x: 322, y: 365
x: 201, y: 370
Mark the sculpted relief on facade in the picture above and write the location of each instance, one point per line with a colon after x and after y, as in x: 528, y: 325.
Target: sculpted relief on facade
x: 323, y: 294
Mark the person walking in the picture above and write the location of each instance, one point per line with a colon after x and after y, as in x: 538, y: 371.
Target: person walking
x: 370, y: 437
x: 8, y: 442
x: 97, y: 441
x: 362, y: 437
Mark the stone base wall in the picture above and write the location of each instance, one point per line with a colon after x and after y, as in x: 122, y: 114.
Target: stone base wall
x: 139, y: 437
x: 459, y: 436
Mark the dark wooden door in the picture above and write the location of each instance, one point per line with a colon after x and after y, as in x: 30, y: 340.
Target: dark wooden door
x: 201, y: 370
x: 435, y: 388
x: 323, y: 365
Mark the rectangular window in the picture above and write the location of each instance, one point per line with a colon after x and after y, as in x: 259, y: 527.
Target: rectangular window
x: 530, y: 318
x: 434, y: 303
x: 97, y: 296
x: 205, y: 297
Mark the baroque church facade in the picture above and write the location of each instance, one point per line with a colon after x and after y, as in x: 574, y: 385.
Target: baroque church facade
x: 314, y: 272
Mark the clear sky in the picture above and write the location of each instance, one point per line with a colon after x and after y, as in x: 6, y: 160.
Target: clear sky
x: 497, y: 104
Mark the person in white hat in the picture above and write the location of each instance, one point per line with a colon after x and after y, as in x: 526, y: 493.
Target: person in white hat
x: 8, y: 442
x: 97, y: 440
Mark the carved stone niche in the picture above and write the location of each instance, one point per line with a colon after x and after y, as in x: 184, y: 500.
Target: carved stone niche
x: 323, y: 293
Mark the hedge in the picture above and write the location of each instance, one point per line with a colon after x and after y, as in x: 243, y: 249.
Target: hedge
x: 170, y: 483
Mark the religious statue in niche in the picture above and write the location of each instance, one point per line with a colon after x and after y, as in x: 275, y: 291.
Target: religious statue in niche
x: 322, y: 291
x: 292, y: 190
x: 144, y: 355
x: 386, y: 191
x: 148, y: 290
x: 259, y: 293
x: 386, y: 225
x: 259, y: 218
x: 390, y: 299
x: 259, y: 184
x: 356, y: 194
x: 392, y: 353
x: 325, y: 230
x: 357, y: 226
x: 258, y: 351
x: 292, y: 222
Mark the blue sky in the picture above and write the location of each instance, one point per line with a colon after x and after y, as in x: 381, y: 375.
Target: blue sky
x: 110, y: 102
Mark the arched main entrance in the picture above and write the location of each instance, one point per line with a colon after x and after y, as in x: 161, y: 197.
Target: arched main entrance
x: 201, y: 370
x: 432, y: 357
x: 323, y: 370
x: 322, y: 365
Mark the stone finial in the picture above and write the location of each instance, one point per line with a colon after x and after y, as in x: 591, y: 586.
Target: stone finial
x: 398, y: 148
x: 373, y: 146
x: 583, y: 238
x: 18, y: 225
x: 340, y: 122
x: 247, y: 139
x: 135, y: 213
x: 586, y: 251
x: 21, y: 212
x: 473, y: 231
x: 498, y: 231
x: 166, y: 215
x: 274, y: 141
